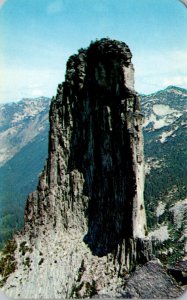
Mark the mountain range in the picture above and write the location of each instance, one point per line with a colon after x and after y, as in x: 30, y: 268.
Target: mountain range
x: 24, y: 135
x: 165, y: 137
x: 24, y: 130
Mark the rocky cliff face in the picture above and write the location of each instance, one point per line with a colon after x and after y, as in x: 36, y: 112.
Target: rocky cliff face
x: 95, y: 165
x: 85, y: 224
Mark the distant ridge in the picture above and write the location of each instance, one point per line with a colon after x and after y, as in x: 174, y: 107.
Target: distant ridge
x: 24, y: 130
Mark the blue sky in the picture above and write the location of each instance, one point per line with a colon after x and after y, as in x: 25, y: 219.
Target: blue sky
x: 38, y: 36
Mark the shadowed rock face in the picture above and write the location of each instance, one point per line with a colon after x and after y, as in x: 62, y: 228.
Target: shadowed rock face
x: 94, y: 176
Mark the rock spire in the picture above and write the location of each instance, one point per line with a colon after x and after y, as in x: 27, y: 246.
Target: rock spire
x: 94, y: 179
x: 89, y: 198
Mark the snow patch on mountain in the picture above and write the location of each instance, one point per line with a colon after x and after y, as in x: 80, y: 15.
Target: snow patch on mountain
x: 184, y: 123
x: 160, y: 208
x: 162, y: 110
x: 179, y: 210
x: 160, y: 123
x: 152, y: 163
x: 161, y: 116
x: 160, y: 234
x: 166, y: 134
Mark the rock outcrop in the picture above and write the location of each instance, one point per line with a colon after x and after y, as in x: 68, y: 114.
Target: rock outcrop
x: 94, y: 178
x: 85, y: 225
x: 149, y: 282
